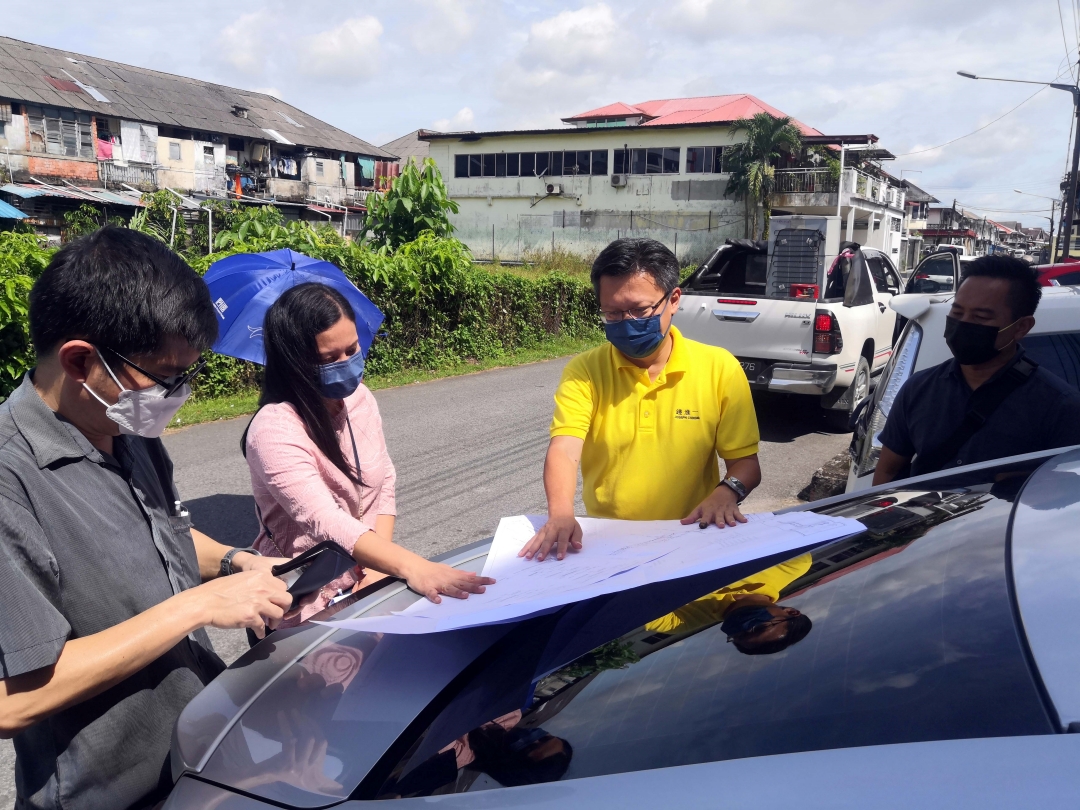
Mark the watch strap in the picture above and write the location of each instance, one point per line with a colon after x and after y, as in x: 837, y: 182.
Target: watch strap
x: 226, y: 561
x: 736, y: 486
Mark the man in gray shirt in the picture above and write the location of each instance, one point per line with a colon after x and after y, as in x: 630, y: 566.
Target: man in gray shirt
x: 101, y: 631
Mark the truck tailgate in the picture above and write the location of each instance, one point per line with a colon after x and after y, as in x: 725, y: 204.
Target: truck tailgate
x: 750, y: 328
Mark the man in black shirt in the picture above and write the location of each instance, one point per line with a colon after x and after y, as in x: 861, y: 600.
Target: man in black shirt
x: 1026, y: 408
x: 101, y: 632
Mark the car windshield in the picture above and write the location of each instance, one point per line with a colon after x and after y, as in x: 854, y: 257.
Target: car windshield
x: 902, y: 633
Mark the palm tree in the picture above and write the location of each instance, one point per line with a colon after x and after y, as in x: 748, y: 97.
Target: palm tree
x: 753, y: 172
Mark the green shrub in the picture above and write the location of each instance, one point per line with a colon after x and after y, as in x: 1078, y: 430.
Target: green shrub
x: 440, y: 308
x: 22, y: 258
x: 416, y: 201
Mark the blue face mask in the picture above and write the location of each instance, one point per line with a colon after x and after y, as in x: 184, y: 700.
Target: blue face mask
x: 338, y: 380
x: 746, y: 619
x: 636, y: 338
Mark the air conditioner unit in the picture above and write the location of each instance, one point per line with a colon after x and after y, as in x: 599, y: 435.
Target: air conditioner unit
x: 554, y: 188
x: 618, y: 180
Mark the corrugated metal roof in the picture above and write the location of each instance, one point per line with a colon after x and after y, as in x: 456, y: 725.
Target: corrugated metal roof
x: 10, y: 211
x: 699, y: 110
x: 138, y: 94
x: 409, y: 146
x: 29, y: 190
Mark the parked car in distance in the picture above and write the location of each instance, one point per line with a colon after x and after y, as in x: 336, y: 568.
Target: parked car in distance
x: 802, y: 314
x: 938, y: 273
x: 1054, y: 343
x: 1059, y: 275
x: 928, y: 661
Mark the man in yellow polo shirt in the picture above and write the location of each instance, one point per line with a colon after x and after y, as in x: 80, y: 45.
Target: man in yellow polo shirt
x: 647, y: 415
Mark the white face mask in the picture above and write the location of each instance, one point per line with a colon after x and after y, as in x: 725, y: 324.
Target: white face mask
x: 143, y: 413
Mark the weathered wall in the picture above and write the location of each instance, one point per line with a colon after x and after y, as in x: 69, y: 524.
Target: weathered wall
x: 60, y: 168
x: 177, y: 174
x: 516, y: 213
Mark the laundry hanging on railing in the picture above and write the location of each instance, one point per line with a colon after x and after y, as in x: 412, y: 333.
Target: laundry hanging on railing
x: 365, y: 172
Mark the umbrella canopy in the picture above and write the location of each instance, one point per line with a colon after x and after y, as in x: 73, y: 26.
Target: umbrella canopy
x: 244, y: 286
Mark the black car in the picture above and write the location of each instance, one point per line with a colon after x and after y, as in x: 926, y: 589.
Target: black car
x: 928, y: 661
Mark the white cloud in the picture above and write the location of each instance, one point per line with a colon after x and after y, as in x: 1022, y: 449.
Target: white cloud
x: 586, y: 39
x: 241, y: 44
x: 443, y: 27
x: 463, y: 119
x: 270, y: 91
x: 344, y: 54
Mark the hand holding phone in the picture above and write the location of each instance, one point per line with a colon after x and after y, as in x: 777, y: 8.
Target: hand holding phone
x: 314, y: 569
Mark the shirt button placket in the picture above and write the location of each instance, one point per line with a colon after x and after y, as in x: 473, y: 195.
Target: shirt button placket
x: 647, y: 414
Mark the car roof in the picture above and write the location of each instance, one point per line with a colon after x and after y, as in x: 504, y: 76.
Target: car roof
x: 1043, y: 543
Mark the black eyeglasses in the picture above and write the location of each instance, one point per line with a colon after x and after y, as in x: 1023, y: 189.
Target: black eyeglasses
x: 758, y: 629
x: 171, y: 384
x: 635, y: 314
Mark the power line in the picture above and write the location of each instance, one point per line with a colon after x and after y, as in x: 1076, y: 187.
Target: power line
x: 1068, y: 54
x: 973, y: 132
x: 984, y: 126
x: 1004, y: 210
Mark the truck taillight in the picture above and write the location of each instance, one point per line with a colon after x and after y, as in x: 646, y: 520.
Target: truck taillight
x: 827, y: 339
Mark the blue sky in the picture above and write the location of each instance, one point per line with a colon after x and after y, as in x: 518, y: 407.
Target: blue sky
x: 381, y: 69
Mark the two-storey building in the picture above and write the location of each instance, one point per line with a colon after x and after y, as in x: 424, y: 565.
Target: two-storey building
x: 69, y: 121
x: 658, y: 169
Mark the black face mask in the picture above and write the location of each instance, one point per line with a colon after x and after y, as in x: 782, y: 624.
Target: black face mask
x: 972, y: 343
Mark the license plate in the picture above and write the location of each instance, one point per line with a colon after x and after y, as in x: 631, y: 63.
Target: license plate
x: 749, y: 366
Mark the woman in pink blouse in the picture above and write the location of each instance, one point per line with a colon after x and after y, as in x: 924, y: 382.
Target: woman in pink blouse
x: 317, y: 456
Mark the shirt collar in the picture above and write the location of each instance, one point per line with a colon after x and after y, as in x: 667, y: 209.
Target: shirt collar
x: 51, y: 438
x: 954, y: 367
x: 677, y: 361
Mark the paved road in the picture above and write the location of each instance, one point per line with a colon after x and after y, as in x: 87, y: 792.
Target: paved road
x: 468, y: 450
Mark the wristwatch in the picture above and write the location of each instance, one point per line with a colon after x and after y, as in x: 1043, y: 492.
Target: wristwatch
x: 226, y: 561
x: 738, y: 486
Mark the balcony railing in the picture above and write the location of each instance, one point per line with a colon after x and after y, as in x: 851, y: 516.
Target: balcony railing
x: 140, y: 176
x: 805, y: 181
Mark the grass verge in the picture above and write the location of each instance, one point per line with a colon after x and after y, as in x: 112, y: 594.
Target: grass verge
x: 227, y: 407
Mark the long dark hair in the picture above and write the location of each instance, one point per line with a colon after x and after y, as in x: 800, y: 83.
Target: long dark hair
x: 292, y: 360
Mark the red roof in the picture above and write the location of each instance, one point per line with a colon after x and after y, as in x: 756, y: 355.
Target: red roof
x: 700, y: 110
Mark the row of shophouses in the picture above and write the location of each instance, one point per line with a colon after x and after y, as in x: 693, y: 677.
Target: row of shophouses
x: 76, y: 129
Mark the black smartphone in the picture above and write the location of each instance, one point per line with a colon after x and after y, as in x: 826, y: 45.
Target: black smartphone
x: 310, y: 571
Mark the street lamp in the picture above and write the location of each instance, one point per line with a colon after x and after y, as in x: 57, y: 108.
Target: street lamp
x: 1069, y: 209
x: 1053, y: 204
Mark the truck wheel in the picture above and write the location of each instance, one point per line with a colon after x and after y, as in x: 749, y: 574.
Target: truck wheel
x: 859, y: 388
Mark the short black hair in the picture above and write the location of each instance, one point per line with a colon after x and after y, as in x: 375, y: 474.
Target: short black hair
x: 798, y: 628
x: 122, y: 290
x: 623, y: 257
x: 1026, y: 291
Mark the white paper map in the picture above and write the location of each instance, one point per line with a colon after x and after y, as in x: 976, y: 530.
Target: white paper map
x: 616, y: 555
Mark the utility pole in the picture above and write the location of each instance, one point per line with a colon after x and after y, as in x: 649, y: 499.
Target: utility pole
x: 1068, y: 210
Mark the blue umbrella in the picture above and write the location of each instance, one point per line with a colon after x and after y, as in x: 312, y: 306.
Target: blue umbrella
x: 244, y: 286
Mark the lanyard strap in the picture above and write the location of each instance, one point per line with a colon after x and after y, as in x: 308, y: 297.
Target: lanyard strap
x: 356, y: 460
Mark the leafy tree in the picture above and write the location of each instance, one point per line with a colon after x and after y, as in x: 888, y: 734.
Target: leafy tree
x: 156, y: 219
x: 22, y: 258
x: 417, y: 201
x: 753, y: 177
x: 83, y: 220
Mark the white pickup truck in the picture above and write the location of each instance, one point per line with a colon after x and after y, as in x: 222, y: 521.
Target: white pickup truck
x: 804, y: 314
